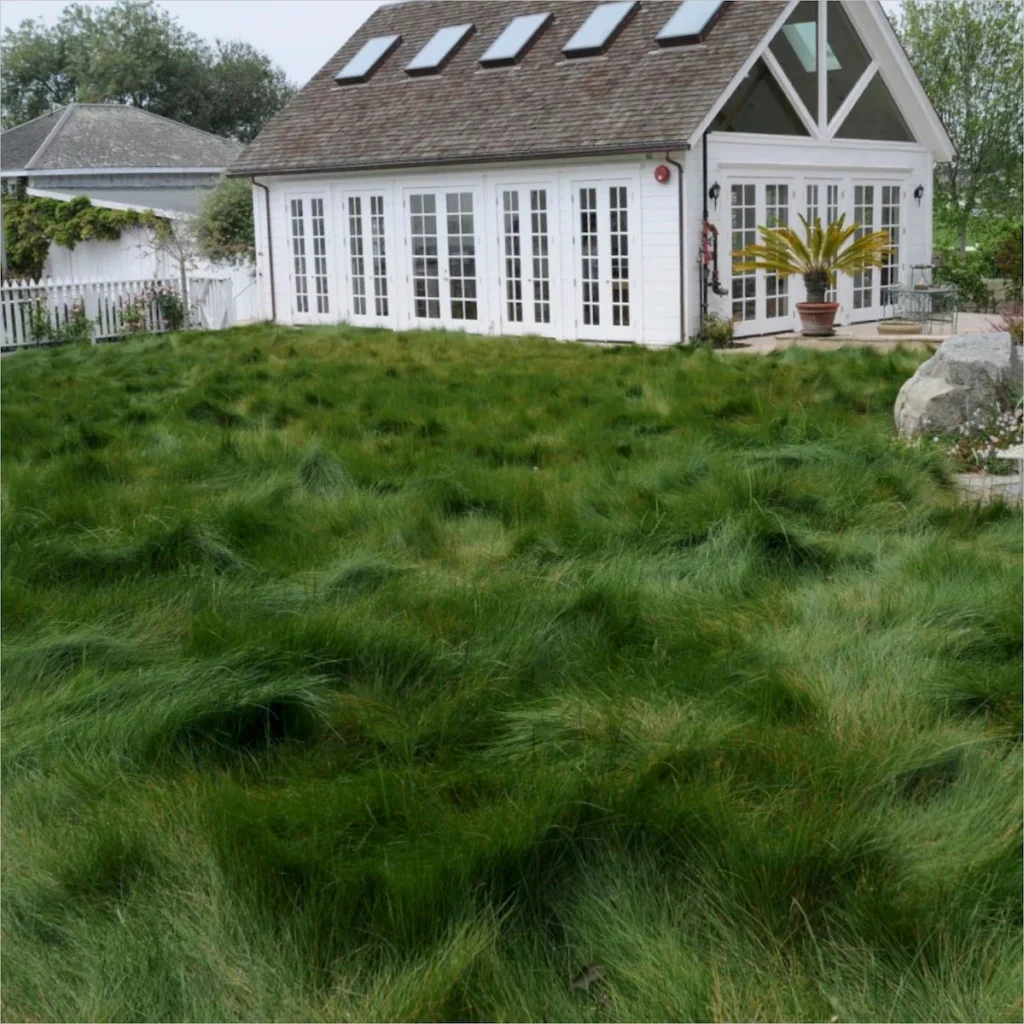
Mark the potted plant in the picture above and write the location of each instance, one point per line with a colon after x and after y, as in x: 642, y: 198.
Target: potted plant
x: 817, y: 258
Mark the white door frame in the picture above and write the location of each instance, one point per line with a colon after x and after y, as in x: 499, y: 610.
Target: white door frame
x: 607, y: 309
x: 380, y: 308
x: 447, y: 303
x: 760, y: 179
x: 321, y: 301
x: 531, y: 242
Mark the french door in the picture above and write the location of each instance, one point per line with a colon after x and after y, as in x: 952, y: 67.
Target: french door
x: 822, y: 202
x: 877, y: 206
x: 604, y: 242
x: 443, y: 269
x: 365, y: 219
x: 309, y: 273
x: 760, y: 302
x: 526, y: 215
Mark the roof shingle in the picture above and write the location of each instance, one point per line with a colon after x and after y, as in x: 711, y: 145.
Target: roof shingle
x: 95, y: 136
x: 635, y: 96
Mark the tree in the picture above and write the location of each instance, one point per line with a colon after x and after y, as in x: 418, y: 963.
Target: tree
x: 968, y: 56
x: 223, y: 226
x: 134, y: 52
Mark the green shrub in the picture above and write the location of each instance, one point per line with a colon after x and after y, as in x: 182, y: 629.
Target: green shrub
x: 1009, y: 261
x: 967, y: 270
x: 716, y: 332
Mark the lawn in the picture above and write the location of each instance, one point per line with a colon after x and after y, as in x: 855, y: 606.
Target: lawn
x: 359, y: 676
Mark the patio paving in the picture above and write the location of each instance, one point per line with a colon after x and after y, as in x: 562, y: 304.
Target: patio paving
x: 862, y: 336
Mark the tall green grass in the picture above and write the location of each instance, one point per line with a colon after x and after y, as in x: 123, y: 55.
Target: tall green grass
x: 359, y: 676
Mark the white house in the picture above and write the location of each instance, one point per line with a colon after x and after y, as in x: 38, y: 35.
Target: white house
x: 565, y: 169
x: 121, y: 158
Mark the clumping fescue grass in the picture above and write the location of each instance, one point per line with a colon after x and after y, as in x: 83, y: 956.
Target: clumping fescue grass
x: 359, y: 676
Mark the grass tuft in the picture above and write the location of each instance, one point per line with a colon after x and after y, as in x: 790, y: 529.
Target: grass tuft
x: 352, y: 675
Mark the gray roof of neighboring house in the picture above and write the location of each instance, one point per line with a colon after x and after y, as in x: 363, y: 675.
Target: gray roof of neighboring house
x: 94, y: 136
x: 172, y: 200
x: 635, y: 96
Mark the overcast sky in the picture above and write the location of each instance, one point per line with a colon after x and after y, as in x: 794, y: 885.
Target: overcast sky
x: 300, y: 35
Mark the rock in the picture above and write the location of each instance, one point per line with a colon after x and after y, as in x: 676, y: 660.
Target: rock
x: 968, y: 372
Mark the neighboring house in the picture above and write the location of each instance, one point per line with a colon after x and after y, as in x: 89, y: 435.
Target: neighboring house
x: 538, y: 167
x: 122, y: 158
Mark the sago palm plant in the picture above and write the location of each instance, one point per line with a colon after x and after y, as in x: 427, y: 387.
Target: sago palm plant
x: 818, y: 256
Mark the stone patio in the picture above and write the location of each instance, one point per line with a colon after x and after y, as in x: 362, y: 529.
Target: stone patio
x: 862, y: 336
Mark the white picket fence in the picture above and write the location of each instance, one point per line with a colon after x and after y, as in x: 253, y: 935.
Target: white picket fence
x: 25, y: 304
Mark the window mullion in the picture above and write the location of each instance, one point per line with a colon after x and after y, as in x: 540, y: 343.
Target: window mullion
x: 848, y: 104
x: 791, y: 94
x: 822, y: 67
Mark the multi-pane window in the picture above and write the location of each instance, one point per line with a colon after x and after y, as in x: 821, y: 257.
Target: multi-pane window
x: 619, y: 247
x: 813, y: 211
x: 378, y: 250
x: 356, y: 255
x: 589, y: 268
x: 426, y: 273
x: 541, y: 259
x: 461, y: 255
x: 776, y: 211
x: 889, y: 275
x: 831, y: 216
x: 513, y: 256
x: 864, y: 217
x: 299, y: 257
x: 319, y: 233
x: 744, y: 233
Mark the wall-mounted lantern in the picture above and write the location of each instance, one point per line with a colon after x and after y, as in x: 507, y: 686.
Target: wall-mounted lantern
x: 714, y: 192
x: 918, y: 193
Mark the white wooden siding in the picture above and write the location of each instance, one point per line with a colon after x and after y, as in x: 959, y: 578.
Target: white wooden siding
x: 653, y: 219
x: 762, y: 158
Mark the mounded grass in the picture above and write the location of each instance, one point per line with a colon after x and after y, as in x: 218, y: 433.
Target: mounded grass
x: 359, y: 676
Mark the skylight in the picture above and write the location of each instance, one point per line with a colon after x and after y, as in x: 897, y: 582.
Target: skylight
x: 513, y: 42
x: 596, y: 34
x: 802, y: 36
x: 690, y: 22
x: 439, y: 50
x: 367, y: 60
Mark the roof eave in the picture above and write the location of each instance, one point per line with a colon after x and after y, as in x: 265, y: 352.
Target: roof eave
x: 651, y: 146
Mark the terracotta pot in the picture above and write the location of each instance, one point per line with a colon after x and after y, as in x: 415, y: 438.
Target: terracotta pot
x: 816, y: 318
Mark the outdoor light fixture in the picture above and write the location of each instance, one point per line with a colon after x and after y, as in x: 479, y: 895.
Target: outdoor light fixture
x: 714, y: 192
x: 918, y: 192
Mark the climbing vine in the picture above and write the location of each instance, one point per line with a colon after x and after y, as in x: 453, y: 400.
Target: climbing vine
x: 32, y: 223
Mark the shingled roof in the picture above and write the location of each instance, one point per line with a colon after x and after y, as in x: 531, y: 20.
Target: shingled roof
x: 637, y: 96
x: 97, y: 136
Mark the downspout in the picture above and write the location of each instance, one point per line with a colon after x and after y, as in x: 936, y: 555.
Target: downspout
x: 682, y: 249
x: 704, y: 220
x: 270, y: 251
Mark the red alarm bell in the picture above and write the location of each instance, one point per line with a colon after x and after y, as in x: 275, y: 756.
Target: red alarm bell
x: 661, y: 174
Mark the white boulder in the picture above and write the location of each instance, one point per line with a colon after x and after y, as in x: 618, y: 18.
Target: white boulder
x: 968, y: 372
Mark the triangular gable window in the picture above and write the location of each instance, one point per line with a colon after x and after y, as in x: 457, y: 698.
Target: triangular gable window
x: 875, y: 116
x: 759, y: 105
x: 815, y: 78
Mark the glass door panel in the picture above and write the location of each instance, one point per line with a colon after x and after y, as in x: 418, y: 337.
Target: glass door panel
x: 527, y: 259
x: 368, y: 264
x: 426, y: 263
x: 444, y: 271
x: 605, y: 274
x: 308, y: 272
